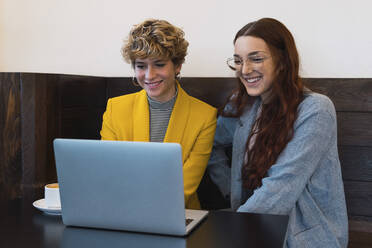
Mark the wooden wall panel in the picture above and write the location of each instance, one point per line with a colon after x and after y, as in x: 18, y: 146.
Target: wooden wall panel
x: 33, y: 163
x: 350, y: 94
x: 354, y: 128
x: 120, y: 86
x: 39, y: 104
x: 214, y: 91
x: 356, y: 163
x: 82, y: 91
x: 10, y: 136
x: 83, y: 100
x: 359, y: 198
x: 28, y: 123
x: 81, y: 122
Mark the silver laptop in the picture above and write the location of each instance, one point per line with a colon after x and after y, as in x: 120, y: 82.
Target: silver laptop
x: 123, y: 185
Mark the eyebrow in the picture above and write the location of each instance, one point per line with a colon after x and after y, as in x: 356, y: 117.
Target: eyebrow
x: 250, y: 54
x: 155, y: 61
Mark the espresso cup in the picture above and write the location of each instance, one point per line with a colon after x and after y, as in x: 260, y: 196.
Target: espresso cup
x: 51, y: 195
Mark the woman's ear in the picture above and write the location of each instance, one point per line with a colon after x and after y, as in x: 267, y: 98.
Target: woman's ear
x: 178, y: 69
x: 279, y: 68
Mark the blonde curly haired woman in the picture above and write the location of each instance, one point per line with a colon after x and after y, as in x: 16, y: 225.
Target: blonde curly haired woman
x: 162, y: 111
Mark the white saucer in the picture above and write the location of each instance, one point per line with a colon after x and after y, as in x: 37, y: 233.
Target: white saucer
x: 40, y: 204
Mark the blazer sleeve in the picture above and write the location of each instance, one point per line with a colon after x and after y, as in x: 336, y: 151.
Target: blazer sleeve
x: 219, y: 168
x: 108, y: 131
x: 195, y: 165
x: 315, y: 131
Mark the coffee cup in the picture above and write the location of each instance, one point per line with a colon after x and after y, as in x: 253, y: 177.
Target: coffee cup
x: 51, y: 195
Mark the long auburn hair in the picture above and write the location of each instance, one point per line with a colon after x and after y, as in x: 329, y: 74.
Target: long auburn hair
x: 273, y: 129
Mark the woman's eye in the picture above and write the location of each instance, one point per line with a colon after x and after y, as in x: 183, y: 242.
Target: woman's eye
x: 256, y: 59
x: 139, y: 66
x: 160, y: 65
x: 238, y: 62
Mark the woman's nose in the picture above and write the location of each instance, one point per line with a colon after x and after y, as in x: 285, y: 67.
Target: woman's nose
x: 247, y: 67
x: 150, y: 72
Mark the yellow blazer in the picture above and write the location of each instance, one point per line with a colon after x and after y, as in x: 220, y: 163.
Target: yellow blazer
x: 192, y: 124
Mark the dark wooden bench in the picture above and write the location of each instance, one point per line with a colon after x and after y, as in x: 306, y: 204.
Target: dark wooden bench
x: 36, y: 108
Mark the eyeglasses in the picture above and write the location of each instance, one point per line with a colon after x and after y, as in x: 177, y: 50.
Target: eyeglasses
x: 236, y: 63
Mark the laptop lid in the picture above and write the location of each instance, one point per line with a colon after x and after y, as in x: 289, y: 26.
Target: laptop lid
x: 121, y: 185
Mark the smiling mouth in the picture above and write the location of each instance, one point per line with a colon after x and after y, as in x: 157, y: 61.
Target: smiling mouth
x: 252, y: 80
x: 153, y: 84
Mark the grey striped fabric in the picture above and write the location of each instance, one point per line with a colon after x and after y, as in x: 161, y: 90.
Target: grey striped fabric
x: 159, y: 118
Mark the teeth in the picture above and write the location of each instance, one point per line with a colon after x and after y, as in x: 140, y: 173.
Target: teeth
x: 153, y: 83
x: 252, y: 80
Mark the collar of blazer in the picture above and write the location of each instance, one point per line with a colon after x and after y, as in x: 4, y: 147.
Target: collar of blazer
x: 177, y: 121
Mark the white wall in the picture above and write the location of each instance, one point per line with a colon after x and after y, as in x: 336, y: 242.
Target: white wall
x: 334, y: 37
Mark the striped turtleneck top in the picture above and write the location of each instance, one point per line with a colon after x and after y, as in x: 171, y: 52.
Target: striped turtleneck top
x: 160, y: 113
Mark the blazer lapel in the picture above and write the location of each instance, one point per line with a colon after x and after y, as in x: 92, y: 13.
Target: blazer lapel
x: 141, y: 118
x: 179, y: 117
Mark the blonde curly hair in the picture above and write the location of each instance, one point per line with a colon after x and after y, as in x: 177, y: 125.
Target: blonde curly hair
x: 155, y: 39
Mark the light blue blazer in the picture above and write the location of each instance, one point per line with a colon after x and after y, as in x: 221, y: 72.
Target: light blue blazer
x: 304, y: 183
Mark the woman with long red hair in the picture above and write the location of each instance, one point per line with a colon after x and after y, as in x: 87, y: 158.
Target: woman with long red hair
x: 284, y: 156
